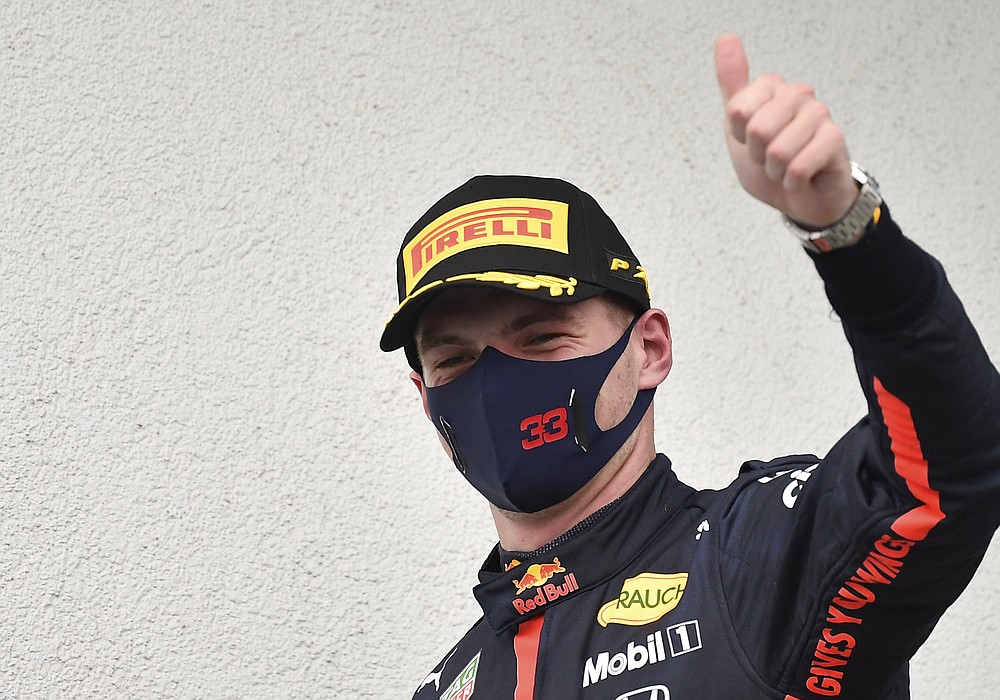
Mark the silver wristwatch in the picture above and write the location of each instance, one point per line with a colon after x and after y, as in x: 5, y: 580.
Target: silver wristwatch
x: 852, y: 226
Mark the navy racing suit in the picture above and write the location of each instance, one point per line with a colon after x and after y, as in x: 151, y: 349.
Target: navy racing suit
x: 804, y: 579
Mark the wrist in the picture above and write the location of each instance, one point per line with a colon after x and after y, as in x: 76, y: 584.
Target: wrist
x: 849, y: 229
x: 850, y: 199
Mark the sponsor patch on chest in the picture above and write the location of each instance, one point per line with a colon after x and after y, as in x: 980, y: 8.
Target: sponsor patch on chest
x: 644, y: 599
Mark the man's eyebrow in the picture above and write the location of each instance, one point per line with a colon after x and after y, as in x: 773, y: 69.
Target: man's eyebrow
x: 431, y: 340
x: 557, y: 315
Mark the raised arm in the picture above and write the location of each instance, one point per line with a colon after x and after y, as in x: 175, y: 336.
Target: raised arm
x: 891, y: 525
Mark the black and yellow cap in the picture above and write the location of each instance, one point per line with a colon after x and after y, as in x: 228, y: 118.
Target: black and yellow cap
x: 540, y: 237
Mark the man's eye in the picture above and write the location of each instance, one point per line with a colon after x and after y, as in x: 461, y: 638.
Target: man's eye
x: 449, y: 362
x: 544, y: 338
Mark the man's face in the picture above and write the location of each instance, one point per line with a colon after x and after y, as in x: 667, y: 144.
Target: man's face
x: 459, y: 324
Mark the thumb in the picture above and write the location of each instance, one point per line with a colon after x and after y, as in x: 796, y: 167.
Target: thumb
x: 731, y: 67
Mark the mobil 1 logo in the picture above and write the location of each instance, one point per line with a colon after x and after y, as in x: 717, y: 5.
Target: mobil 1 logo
x: 675, y: 640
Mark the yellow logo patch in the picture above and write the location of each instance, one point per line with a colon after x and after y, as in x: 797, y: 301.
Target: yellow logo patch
x: 534, y: 223
x: 644, y: 598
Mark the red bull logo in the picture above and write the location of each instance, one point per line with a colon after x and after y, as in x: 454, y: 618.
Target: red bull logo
x: 535, y: 223
x: 537, y: 576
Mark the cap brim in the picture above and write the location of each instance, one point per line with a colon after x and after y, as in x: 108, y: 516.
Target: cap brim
x: 401, y: 328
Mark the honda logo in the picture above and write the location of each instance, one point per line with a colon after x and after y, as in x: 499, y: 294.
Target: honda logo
x: 650, y: 692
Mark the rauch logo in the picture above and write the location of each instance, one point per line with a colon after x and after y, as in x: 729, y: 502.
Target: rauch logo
x: 644, y: 599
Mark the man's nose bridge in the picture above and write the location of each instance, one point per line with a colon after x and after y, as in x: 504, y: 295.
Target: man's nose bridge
x: 499, y: 343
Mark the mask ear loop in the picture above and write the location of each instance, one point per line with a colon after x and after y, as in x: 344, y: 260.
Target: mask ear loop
x: 580, y: 423
x: 580, y: 437
x: 449, y: 436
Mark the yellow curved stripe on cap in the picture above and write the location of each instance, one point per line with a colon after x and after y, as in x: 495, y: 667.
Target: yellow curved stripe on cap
x: 556, y: 285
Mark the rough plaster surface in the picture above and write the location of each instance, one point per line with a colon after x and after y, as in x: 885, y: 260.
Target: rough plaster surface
x: 214, y: 485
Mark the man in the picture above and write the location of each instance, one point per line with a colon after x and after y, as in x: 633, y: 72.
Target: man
x: 526, y: 319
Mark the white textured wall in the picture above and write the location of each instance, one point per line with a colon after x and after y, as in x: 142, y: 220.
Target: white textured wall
x: 213, y: 485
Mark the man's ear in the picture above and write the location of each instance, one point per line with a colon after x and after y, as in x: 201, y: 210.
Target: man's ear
x: 418, y: 382
x: 654, y: 330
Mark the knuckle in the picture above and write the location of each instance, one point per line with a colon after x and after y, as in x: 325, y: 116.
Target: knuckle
x: 795, y: 92
x: 820, y: 111
x: 737, y: 111
x: 734, y: 111
x: 759, y: 131
x: 834, y: 134
x: 802, y: 90
x: 797, y: 171
x: 778, y: 154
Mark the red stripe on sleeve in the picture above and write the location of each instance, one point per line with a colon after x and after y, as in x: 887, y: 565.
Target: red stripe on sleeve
x: 911, y: 465
x: 526, y: 642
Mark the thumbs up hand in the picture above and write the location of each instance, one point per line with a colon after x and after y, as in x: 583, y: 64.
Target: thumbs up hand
x: 785, y: 148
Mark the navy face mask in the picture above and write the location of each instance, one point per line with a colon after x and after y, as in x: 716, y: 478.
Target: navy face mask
x: 523, y: 432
